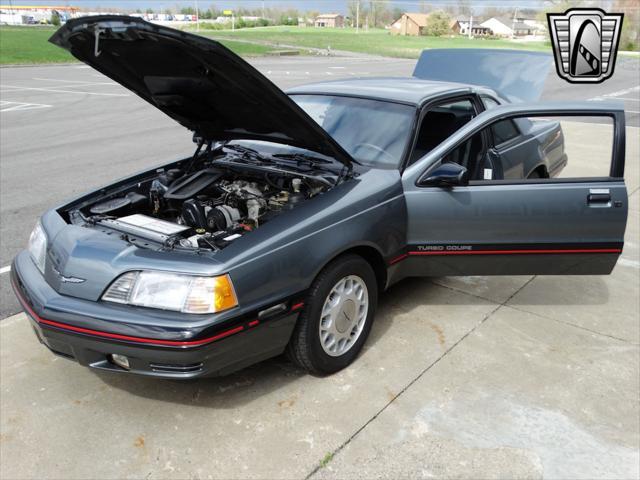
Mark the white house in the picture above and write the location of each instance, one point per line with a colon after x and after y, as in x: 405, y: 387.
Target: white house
x: 499, y: 27
x: 509, y: 27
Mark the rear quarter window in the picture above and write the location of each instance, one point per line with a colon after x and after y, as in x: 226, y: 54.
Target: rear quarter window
x: 502, y: 131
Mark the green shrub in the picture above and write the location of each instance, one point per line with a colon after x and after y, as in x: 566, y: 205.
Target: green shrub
x: 438, y: 24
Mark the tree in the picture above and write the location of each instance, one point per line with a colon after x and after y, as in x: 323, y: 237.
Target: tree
x: 353, y: 11
x: 377, y: 8
x: 55, y: 18
x: 630, y: 33
x: 438, y: 24
x: 557, y: 6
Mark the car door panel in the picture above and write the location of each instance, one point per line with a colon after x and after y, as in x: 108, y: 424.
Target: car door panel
x: 514, y: 227
x: 469, y: 233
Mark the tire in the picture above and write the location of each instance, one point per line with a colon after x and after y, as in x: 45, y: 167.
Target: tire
x: 534, y: 174
x: 306, y: 348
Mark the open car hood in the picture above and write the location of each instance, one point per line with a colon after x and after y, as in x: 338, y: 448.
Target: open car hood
x: 195, y: 80
x: 517, y: 75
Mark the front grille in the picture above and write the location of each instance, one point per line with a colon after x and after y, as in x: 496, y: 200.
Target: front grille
x: 168, y: 368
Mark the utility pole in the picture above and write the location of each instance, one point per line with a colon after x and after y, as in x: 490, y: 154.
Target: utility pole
x: 470, y: 24
x: 263, y: 9
x: 513, y: 24
x: 357, y: 16
x: 197, y: 17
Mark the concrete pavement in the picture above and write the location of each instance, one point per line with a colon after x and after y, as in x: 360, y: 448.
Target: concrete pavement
x: 469, y: 377
x: 506, y: 377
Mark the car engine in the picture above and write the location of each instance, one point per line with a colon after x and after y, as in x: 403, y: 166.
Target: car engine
x: 207, y: 209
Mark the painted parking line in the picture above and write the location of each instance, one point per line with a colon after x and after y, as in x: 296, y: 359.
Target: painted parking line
x: 20, y: 106
x: 83, y: 82
x: 5, y: 269
x: 51, y: 90
x: 619, y: 95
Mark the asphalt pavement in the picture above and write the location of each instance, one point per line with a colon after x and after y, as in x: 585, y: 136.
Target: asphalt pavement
x: 66, y: 129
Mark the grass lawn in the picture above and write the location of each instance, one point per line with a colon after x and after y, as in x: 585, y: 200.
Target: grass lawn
x: 374, y: 41
x: 30, y: 45
x: 20, y: 45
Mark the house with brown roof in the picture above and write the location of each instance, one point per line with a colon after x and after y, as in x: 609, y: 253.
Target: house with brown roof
x: 410, y: 24
x: 332, y: 20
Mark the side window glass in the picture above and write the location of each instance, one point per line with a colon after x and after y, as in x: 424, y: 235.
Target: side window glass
x: 547, y: 147
x: 471, y: 155
x: 559, y: 147
x: 439, y: 123
x: 504, y: 131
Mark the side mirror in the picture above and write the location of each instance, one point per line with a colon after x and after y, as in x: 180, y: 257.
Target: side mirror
x: 446, y: 175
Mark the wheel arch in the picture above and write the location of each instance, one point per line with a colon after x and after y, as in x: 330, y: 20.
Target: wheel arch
x: 371, y: 255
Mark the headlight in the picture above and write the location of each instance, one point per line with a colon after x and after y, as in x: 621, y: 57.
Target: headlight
x: 169, y: 291
x: 38, y: 246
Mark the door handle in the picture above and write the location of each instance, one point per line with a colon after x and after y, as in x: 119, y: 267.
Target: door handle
x: 599, y: 196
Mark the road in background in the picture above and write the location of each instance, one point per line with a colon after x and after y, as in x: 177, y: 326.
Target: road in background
x: 67, y: 129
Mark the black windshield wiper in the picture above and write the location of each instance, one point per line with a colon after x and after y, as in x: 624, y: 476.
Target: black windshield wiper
x: 302, y: 158
x: 248, y: 153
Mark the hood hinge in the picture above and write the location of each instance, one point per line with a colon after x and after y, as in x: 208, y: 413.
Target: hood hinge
x: 96, y: 43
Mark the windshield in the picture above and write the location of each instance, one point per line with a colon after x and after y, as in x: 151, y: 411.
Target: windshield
x: 374, y: 132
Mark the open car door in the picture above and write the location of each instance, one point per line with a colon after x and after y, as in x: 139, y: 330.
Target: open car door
x: 494, y: 226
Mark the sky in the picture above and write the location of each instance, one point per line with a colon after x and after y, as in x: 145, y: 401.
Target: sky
x: 337, y: 6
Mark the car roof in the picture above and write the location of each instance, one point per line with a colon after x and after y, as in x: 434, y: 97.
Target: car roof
x: 410, y: 90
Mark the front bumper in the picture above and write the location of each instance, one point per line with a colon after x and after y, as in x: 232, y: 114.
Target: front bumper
x: 154, y: 350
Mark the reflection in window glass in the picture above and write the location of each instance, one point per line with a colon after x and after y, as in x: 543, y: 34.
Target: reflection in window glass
x: 373, y: 132
x: 557, y: 147
x: 543, y: 147
x: 439, y: 123
x: 504, y: 131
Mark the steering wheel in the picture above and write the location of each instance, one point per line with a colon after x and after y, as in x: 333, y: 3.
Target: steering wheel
x: 376, y: 148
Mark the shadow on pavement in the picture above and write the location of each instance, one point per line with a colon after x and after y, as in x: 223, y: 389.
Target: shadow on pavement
x: 243, y: 387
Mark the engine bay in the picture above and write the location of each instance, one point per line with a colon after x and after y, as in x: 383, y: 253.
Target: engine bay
x: 206, y: 207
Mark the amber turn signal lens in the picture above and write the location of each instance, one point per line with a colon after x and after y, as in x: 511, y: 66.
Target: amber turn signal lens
x: 223, y: 294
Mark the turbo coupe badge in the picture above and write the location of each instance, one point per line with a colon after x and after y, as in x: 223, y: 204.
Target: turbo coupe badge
x: 585, y: 43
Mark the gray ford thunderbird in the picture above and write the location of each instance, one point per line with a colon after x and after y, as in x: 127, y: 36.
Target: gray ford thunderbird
x: 297, y: 210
